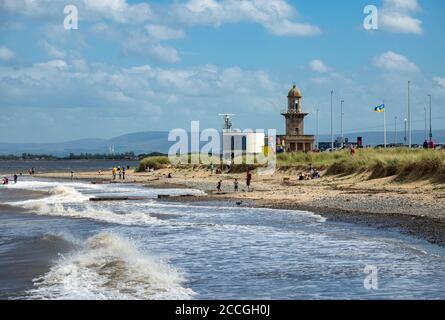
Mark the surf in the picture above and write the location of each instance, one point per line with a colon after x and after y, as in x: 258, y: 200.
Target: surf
x: 109, y: 266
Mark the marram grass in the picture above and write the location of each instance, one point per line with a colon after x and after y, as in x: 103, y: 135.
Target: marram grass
x: 403, y: 163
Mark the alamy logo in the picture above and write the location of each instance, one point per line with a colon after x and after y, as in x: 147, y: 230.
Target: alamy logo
x: 371, y: 21
x: 71, y: 21
x: 371, y: 281
x: 232, y: 147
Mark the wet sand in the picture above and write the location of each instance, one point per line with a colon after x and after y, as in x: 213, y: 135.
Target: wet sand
x: 415, y: 208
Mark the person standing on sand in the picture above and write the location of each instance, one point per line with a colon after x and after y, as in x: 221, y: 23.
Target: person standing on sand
x: 248, y: 180
x: 218, y: 186
x: 15, y: 178
x: 72, y: 175
x: 123, y: 173
x: 120, y: 172
x: 113, y: 171
x: 236, y: 185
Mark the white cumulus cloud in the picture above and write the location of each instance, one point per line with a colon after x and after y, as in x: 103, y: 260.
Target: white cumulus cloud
x: 53, y: 51
x: 392, y: 61
x: 319, y: 66
x: 276, y: 16
x: 6, y: 54
x: 397, y: 16
x: 163, y: 33
x: 440, y: 81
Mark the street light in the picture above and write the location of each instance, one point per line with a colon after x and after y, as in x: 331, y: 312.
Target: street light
x: 406, y: 120
x: 426, y: 134
x: 395, y: 131
x: 341, y: 124
x: 332, y: 122
x: 409, y: 115
x: 317, y: 140
x: 431, y: 125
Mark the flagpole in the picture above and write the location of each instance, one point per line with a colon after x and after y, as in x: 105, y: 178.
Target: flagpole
x: 409, y: 115
x: 332, y: 122
x: 384, y: 122
x: 395, y: 131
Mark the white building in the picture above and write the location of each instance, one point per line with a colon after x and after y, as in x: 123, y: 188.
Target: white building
x: 237, y: 143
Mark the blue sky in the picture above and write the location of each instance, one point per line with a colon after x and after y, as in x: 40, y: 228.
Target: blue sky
x: 156, y: 65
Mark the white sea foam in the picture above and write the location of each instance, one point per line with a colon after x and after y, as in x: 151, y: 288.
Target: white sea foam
x: 89, y: 212
x: 110, y: 267
x: 45, y: 185
x: 68, y: 202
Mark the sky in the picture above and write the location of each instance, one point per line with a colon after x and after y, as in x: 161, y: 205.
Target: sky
x: 157, y: 65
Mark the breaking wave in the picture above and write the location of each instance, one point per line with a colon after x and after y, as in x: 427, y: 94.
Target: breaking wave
x: 68, y: 202
x: 66, y: 194
x: 110, y: 267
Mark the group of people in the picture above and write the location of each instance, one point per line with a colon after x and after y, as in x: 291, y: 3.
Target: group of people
x: 119, y: 171
x: 236, y: 183
x: 5, y: 180
x: 429, y: 144
x: 312, y: 173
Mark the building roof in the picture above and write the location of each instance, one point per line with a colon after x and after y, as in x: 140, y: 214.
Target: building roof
x: 294, y: 92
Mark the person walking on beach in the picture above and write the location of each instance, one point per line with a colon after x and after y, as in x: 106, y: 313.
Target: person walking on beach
x: 15, y: 178
x: 123, y: 173
x: 248, y: 180
x: 114, y: 171
x: 120, y: 172
x: 218, y: 186
x: 236, y: 185
x: 72, y: 175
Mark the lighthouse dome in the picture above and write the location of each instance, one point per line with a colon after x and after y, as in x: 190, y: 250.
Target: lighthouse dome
x: 294, y: 92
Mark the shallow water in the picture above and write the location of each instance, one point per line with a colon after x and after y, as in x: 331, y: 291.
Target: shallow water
x: 62, y: 246
x: 9, y: 167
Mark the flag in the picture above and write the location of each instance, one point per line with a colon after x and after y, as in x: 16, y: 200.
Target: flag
x: 380, y: 108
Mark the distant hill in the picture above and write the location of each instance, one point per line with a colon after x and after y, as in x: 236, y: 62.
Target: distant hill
x: 141, y: 142
x: 157, y: 141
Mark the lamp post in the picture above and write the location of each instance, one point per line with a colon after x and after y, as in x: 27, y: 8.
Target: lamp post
x: 431, y: 125
x: 409, y: 115
x: 332, y: 121
x: 384, y: 124
x: 395, y: 131
x: 317, y: 139
x: 341, y: 124
x: 426, y: 134
x: 404, y: 139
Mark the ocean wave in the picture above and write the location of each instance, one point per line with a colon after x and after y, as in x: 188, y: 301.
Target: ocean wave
x: 66, y: 194
x: 110, y: 267
x: 86, y: 211
x: 66, y: 201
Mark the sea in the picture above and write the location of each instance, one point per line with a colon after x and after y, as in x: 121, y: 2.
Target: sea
x: 57, y: 244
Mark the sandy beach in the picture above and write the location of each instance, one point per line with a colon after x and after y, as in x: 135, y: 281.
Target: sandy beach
x: 416, y: 208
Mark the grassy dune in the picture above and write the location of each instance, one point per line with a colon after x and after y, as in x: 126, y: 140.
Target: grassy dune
x: 157, y: 162
x: 403, y: 163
